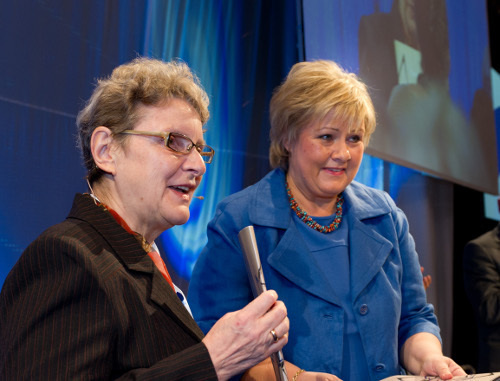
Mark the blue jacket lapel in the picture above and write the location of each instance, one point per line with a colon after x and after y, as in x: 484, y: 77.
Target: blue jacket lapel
x: 368, y: 251
x: 291, y: 258
x: 294, y: 263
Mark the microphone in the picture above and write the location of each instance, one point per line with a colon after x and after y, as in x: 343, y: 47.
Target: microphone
x: 248, y: 244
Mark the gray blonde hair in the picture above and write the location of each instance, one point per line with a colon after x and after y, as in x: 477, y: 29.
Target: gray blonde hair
x: 310, y: 91
x: 143, y: 81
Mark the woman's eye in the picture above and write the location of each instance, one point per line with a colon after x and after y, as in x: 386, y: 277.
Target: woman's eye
x: 355, y: 138
x: 326, y: 137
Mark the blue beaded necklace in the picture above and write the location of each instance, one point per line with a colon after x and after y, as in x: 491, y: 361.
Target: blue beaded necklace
x: 302, y: 214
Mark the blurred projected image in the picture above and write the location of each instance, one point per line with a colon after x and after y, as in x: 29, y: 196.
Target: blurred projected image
x: 408, y: 61
x: 404, y: 56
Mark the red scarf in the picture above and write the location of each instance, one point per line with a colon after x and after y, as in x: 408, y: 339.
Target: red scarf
x: 154, y: 255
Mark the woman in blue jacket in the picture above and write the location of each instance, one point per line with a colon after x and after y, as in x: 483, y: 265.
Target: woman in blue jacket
x: 338, y: 253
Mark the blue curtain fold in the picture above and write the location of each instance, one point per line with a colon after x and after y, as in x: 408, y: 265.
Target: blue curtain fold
x: 240, y: 50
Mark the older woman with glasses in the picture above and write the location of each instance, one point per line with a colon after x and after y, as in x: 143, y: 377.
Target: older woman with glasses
x: 339, y: 253
x: 91, y: 298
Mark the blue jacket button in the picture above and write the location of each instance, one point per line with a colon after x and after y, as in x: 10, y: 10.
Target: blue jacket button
x: 363, y: 310
x: 379, y: 367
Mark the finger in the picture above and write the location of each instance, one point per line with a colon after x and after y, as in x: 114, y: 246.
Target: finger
x: 261, y: 304
x: 443, y: 371
x: 280, y: 330
x: 274, y: 335
x: 277, y: 311
x: 274, y: 317
x: 456, y: 369
x: 277, y: 345
x: 427, y: 281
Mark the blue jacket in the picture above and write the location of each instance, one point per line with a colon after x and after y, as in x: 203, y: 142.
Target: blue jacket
x: 388, y: 296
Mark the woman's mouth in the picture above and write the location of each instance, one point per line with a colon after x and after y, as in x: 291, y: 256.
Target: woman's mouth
x: 180, y: 188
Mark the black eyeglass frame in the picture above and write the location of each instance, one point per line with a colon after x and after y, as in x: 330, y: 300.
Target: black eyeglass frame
x: 206, y: 152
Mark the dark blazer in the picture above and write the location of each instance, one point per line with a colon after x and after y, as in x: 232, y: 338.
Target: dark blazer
x: 482, y: 284
x: 86, y: 302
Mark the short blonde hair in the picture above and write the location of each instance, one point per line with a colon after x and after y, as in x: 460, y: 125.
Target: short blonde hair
x: 310, y: 91
x: 143, y: 81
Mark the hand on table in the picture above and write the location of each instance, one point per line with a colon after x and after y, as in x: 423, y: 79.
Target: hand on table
x: 441, y: 366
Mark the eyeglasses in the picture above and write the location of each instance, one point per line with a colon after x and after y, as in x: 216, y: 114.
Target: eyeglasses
x: 178, y: 143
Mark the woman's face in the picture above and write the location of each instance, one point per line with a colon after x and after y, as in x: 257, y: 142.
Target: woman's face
x: 154, y: 185
x: 323, y: 161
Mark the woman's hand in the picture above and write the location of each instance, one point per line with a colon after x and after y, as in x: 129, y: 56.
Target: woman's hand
x: 422, y: 355
x: 315, y: 376
x: 241, y: 339
x: 441, y: 366
x: 265, y: 371
x: 426, y: 278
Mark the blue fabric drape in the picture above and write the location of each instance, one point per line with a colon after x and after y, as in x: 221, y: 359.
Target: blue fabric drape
x: 240, y: 50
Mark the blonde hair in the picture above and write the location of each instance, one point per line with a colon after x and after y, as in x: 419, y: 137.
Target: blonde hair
x: 143, y: 81
x: 310, y: 91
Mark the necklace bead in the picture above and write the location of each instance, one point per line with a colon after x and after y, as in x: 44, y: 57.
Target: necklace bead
x: 304, y: 217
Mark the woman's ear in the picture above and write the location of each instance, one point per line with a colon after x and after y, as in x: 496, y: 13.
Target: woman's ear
x: 101, y: 145
x: 286, y: 144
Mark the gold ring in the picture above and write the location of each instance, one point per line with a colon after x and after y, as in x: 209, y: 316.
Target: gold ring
x: 274, y: 335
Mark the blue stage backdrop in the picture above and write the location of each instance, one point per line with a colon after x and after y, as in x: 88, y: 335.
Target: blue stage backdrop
x: 54, y: 51
x: 240, y: 50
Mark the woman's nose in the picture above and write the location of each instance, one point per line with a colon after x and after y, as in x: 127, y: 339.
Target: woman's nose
x: 195, y: 162
x: 341, y: 153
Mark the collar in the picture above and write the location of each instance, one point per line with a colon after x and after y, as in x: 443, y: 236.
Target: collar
x: 270, y: 194
x: 132, y: 255
x: 145, y: 244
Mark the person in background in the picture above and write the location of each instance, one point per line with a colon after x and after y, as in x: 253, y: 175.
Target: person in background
x: 378, y: 66
x: 339, y: 253
x: 90, y: 298
x: 481, y: 267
